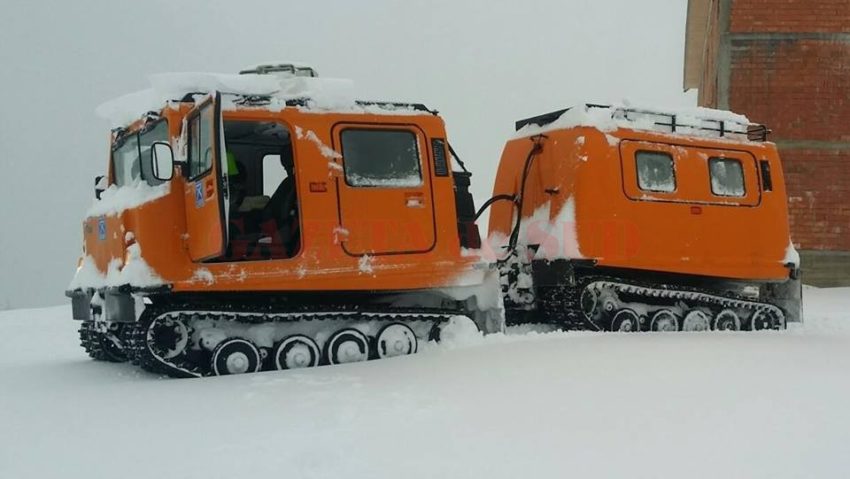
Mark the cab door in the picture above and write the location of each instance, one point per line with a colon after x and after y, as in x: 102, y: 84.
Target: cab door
x: 205, y: 188
x: 385, y: 191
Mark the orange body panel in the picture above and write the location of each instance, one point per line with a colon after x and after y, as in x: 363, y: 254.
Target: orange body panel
x: 613, y: 221
x: 367, y: 239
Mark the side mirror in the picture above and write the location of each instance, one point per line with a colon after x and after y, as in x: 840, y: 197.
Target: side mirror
x: 98, y: 186
x: 162, y: 161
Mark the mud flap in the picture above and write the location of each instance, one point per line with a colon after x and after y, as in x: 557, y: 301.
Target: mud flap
x: 490, y: 321
x: 119, y: 306
x: 788, y: 295
x: 80, y: 304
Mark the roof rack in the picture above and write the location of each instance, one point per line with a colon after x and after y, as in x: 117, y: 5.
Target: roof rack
x: 260, y: 100
x: 723, y: 128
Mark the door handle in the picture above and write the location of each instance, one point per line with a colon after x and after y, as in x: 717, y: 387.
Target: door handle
x: 414, y: 200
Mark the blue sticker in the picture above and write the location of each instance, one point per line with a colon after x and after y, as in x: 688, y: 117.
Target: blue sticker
x: 199, y: 194
x: 101, y: 228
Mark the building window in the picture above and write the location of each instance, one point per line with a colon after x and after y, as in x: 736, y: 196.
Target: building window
x: 727, y: 177
x: 655, y: 171
x: 381, y: 158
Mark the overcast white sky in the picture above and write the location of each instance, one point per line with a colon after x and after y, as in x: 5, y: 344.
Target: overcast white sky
x: 483, y: 64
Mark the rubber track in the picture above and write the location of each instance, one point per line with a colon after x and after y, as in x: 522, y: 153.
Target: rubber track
x: 141, y: 355
x: 92, y: 341
x: 699, y: 296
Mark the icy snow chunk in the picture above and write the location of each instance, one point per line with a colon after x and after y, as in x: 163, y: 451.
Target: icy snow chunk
x: 203, y: 275
x: 365, y: 264
x: 175, y: 85
x: 557, y: 237
x: 128, y: 108
x: 460, y: 331
x: 136, y: 271
x: 406, y: 181
x: 87, y: 275
x: 322, y: 94
x: 324, y: 149
x: 791, y: 255
x: 115, y: 200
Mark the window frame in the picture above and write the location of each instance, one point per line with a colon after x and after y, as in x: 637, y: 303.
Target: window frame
x: 740, y: 164
x: 117, y: 145
x: 189, y: 120
x: 672, y: 170
x: 408, y: 131
x: 147, y: 129
x: 129, y: 136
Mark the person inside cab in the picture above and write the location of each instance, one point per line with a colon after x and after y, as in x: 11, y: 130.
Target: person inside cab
x: 281, y: 212
x: 243, y: 233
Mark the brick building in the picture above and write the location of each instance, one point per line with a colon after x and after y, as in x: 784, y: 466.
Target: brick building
x: 786, y: 63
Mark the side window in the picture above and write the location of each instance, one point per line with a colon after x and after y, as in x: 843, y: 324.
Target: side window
x: 200, y: 143
x: 158, y: 133
x: 655, y: 171
x: 126, y: 164
x: 381, y: 158
x: 727, y: 177
x: 273, y: 174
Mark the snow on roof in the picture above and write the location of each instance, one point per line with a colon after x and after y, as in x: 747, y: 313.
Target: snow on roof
x: 608, y: 118
x: 328, y: 94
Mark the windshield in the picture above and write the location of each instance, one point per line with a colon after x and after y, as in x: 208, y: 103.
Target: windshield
x: 125, y: 162
x: 127, y: 167
x: 158, y: 133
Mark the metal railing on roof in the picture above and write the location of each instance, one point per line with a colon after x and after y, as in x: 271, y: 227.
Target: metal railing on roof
x: 674, y: 122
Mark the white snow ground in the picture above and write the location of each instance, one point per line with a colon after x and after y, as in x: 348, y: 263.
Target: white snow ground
x: 711, y: 405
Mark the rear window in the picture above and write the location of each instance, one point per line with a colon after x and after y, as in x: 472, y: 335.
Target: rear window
x: 655, y: 171
x: 381, y: 158
x: 727, y: 177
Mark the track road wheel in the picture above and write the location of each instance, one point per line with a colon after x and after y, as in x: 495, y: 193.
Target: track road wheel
x: 696, y: 320
x: 235, y: 356
x: 665, y: 321
x: 767, y: 319
x: 625, y: 321
x: 727, y: 320
x: 396, y: 339
x: 347, y: 346
x: 295, y: 352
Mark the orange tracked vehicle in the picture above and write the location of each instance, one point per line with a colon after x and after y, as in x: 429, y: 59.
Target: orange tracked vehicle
x: 637, y: 220
x: 245, y: 231
x: 260, y: 223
